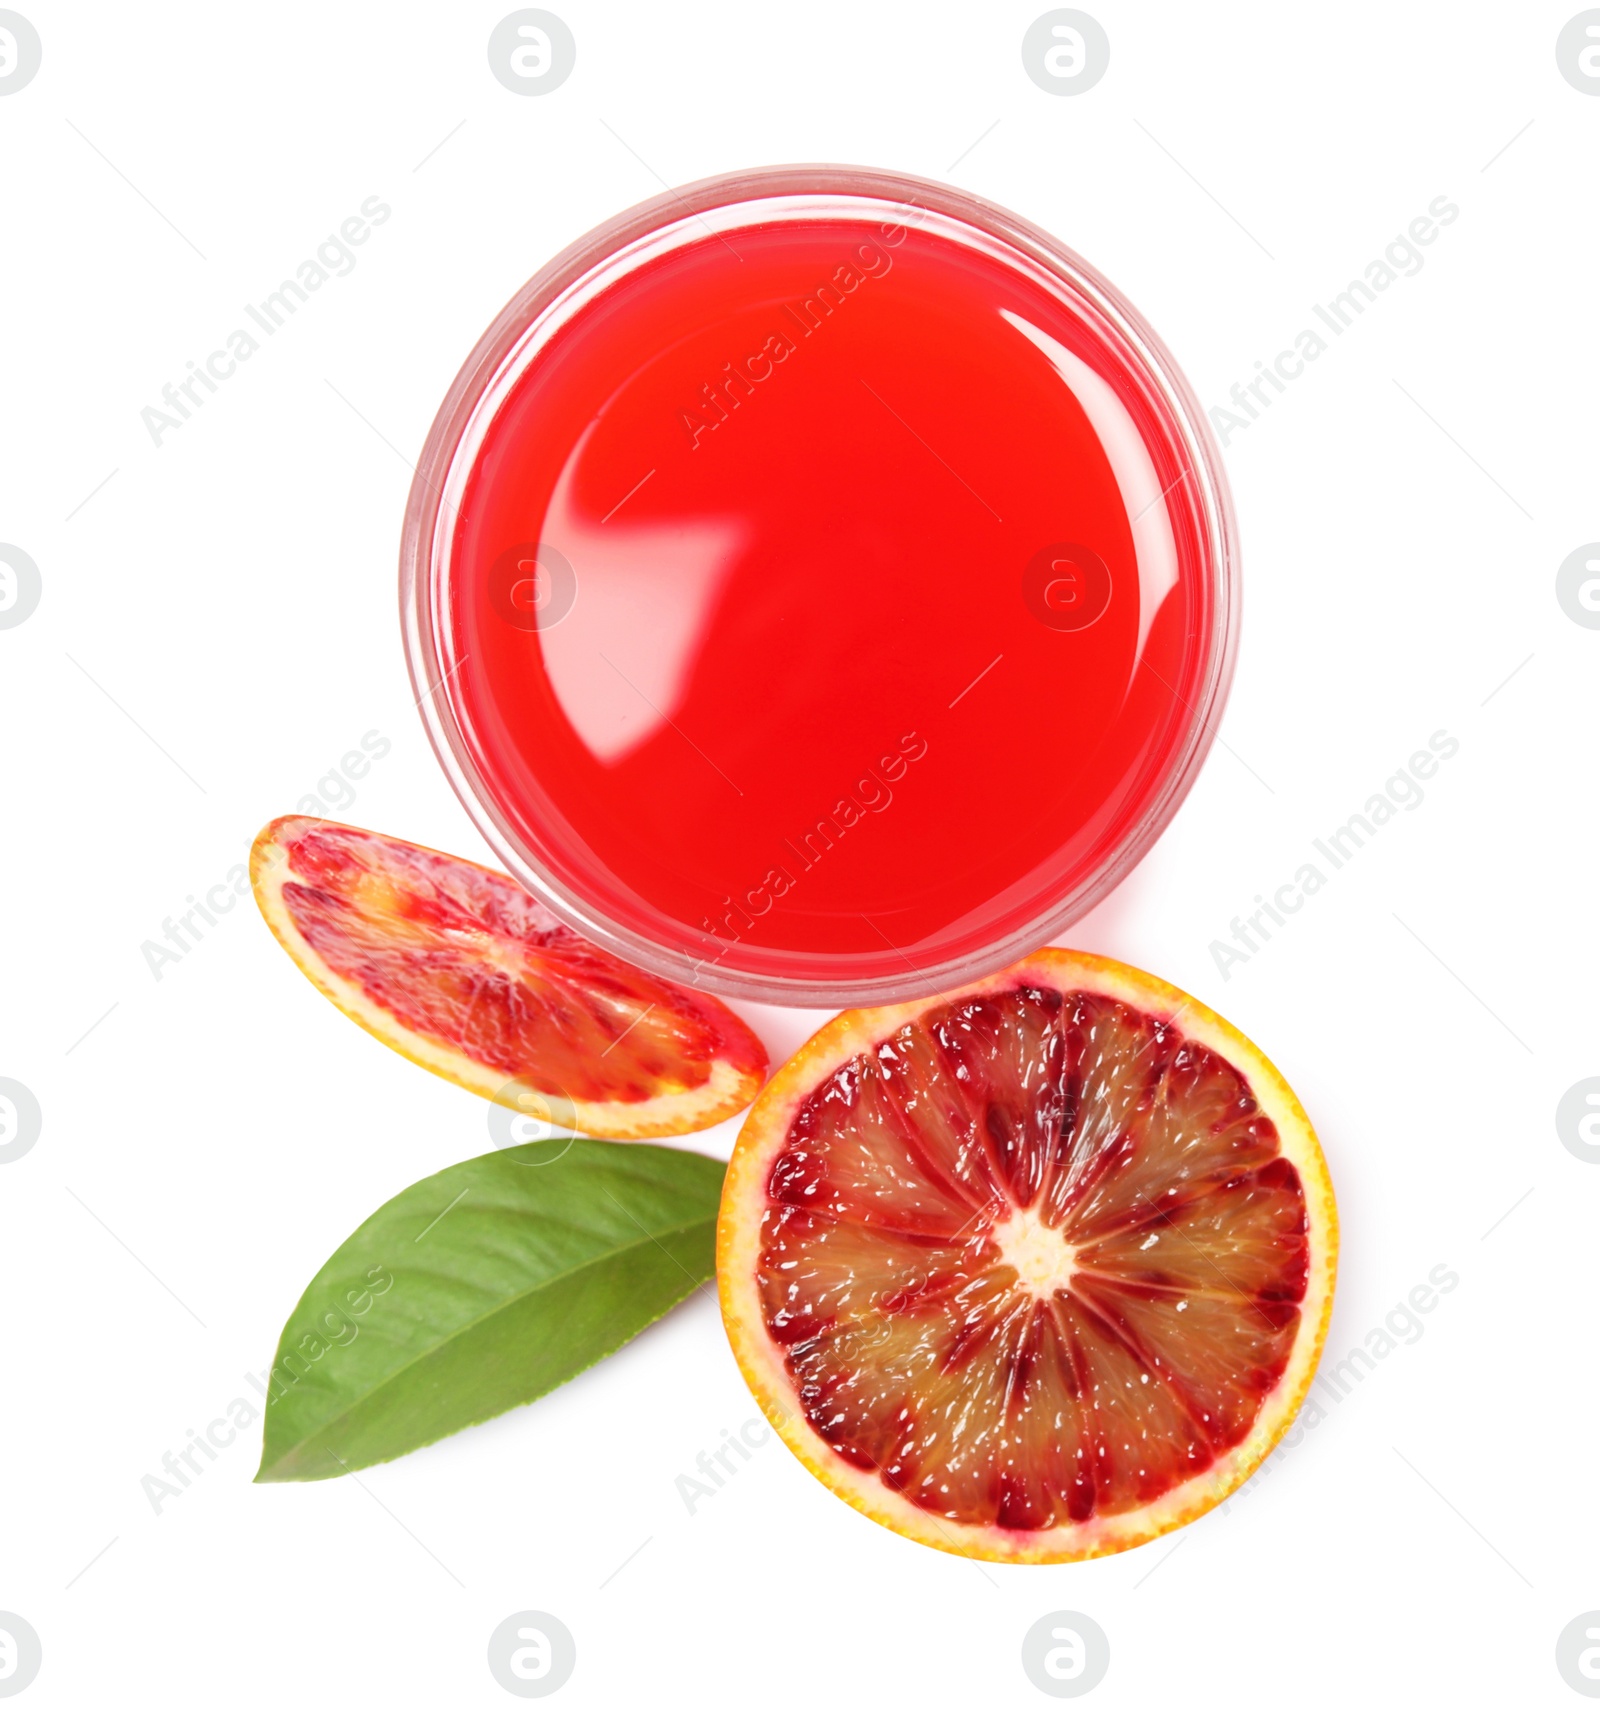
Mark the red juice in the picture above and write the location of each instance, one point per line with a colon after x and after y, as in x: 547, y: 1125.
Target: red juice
x: 832, y: 598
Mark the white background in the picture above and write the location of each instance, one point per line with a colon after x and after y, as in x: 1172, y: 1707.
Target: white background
x: 234, y: 593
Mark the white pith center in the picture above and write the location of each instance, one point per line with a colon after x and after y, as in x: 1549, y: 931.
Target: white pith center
x: 1043, y: 1261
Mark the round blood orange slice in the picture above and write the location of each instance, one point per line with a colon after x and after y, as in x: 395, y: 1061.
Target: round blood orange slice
x: 461, y: 970
x: 1033, y: 1271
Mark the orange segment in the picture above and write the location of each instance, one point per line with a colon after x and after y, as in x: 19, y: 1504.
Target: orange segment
x: 1034, y: 1271
x: 461, y: 970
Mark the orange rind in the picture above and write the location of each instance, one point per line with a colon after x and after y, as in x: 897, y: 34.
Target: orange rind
x: 463, y: 972
x: 1033, y: 1271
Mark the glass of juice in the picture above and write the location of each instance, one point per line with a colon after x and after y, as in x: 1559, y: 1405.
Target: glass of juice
x: 819, y: 586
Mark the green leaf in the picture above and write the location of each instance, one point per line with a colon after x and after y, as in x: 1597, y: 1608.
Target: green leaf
x: 482, y: 1288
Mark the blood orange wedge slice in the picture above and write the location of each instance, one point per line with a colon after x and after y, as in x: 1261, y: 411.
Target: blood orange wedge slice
x: 461, y: 970
x: 1034, y: 1271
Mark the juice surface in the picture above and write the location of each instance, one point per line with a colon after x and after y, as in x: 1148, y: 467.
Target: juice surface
x: 826, y: 600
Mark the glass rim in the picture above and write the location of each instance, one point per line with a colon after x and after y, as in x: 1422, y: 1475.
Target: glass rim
x: 552, y: 295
